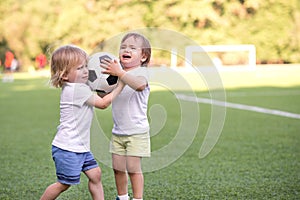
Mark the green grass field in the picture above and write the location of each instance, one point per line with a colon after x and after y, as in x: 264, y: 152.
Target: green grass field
x: 256, y: 157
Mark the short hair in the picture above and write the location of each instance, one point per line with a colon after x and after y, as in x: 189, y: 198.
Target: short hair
x: 62, y: 60
x: 146, y: 47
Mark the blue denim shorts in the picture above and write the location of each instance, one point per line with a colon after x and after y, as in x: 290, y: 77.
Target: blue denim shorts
x: 69, y: 165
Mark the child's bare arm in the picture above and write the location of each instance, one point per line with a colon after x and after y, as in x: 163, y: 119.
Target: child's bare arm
x: 104, y: 102
x: 138, y: 83
x: 112, y: 67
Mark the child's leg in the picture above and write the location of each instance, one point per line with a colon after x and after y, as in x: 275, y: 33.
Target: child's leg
x: 95, y: 185
x: 119, y: 166
x: 136, y: 176
x: 54, y: 190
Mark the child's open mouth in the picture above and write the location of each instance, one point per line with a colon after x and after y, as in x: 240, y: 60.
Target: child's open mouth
x: 126, y: 56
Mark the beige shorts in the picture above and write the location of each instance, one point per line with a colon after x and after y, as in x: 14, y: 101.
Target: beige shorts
x: 131, y: 145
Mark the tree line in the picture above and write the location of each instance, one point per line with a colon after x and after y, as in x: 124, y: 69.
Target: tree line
x: 31, y: 27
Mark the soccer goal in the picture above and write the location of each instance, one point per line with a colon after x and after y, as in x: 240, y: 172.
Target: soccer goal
x: 222, y: 56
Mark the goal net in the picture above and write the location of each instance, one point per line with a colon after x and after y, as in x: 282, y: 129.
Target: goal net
x: 223, y: 57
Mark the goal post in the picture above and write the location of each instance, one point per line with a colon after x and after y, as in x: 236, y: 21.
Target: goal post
x: 190, y: 50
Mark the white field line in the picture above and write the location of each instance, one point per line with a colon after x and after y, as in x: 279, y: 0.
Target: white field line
x: 268, y: 94
x: 238, y: 106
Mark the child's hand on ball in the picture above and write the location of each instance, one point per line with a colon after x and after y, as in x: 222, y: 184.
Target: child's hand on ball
x: 112, y: 67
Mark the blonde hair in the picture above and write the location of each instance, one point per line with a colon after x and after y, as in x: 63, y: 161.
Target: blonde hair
x: 62, y: 60
x: 146, y: 47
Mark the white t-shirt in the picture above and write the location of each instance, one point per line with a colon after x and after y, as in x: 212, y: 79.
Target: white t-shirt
x: 129, y: 108
x: 73, y: 133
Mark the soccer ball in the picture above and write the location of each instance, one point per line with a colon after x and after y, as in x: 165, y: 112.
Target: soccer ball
x: 101, y: 83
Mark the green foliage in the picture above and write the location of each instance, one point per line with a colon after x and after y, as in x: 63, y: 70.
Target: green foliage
x: 35, y: 26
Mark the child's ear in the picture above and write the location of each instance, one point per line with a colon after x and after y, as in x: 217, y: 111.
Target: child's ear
x: 65, y: 77
x: 144, y: 58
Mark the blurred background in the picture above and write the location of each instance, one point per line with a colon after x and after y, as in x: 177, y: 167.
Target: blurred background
x: 31, y: 28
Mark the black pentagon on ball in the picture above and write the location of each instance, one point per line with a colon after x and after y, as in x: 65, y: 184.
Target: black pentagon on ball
x: 103, y: 57
x: 92, y: 75
x: 111, y: 80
